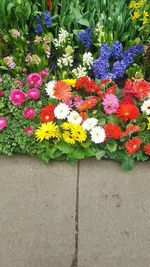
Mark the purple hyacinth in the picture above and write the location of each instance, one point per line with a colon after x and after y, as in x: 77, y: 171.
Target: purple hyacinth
x: 105, y: 51
x: 85, y: 37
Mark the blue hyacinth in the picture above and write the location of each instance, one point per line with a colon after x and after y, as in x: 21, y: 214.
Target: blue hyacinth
x: 38, y: 29
x: 85, y: 37
x: 47, y: 19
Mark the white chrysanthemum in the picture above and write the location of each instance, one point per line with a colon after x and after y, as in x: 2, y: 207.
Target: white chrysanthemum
x: 146, y: 107
x: 89, y: 124
x: 98, y: 134
x: 61, y: 111
x: 79, y: 71
x: 50, y: 89
x: 87, y: 59
x: 74, y: 117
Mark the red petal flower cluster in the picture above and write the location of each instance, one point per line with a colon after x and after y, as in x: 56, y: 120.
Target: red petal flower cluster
x: 127, y: 112
x: 133, y: 145
x: 87, y: 84
x: 112, y: 131
x: 47, y: 113
x: 147, y: 149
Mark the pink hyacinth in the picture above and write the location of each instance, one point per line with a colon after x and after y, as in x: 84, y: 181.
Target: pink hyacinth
x: 34, y: 80
x: 29, y: 113
x: 3, y: 123
x: 34, y: 93
x: 28, y: 131
x: 44, y: 73
x: 17, y: 97
x: 110, y: 103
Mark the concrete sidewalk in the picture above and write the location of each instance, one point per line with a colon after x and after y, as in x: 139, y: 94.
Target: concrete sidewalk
x: 89, y: 215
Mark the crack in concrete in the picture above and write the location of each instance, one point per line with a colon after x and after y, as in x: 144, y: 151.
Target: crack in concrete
x: 75, y: 257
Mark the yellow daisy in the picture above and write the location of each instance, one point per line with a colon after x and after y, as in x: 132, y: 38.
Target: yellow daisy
x: 71, y: 82
x: 68, y: 137
x: 148, y: 125
x: 78, y: 132
x: 47, y: 131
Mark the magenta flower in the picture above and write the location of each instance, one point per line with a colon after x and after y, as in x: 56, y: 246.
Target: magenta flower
x: 34, y: 93
x: 3, y: 123
x: 77, y: 101
x: 34, y: 80
x: 17, y: 97
x: 1, y: 93
x: 44, y: 73
x: 110, y: 103
x: 28, y: 131
x: 68, y: 103
x: 29, y: 113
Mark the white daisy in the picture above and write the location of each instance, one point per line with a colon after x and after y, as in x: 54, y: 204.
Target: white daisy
x: 50, y: 89
x: 87, y: 59
x: 98, y: 134
x: 74, y: 117
x: 146, y: 107
x: 61, y: 111
x: 89, y: 123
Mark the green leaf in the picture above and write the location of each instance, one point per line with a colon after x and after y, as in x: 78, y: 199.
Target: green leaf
x: 84, y: 22
x: 65, y: 148
x: 100, y: 154
x: 112, y: 146
x: 127, y: 163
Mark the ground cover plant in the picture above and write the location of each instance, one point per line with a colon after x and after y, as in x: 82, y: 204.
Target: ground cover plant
x: 74, y: 86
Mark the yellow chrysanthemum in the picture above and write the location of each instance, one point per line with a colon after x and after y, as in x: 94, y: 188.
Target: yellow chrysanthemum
x: 69, y: 137
x: 135, y: 15
x: 71, y: 82
x: 78, y: 132
x: 47, y: 131
x: 148, y: 125
x: 66, y: 126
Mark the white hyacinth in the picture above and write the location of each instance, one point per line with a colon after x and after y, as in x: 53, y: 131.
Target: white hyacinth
x: 61, y: 111
x: 87, y: 59
x: 63, y: 37
x: 89, y: 124
x: 98, y: 134
x: 79, y: 71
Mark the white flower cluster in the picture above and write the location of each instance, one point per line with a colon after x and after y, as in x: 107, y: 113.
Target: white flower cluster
x: 82, y: 70
x: 62, y: 111
x: 50, y: 89
x: 63, y: 38
x: 67, y: 59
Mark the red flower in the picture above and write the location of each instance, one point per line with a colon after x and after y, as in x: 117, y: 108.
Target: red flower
x: 49, y: 4
x: 133, y: 145
x: 127, y: 112
x: 47, y: 113
x: 83, y: 115
x: 89, y: 103
x: 62, y: 91
x: 112, y: 131
x: 141, y: 89
x: 111, y: 90
x: 127, y: 100
x: 128, y: 88
x: 147, y: 149
x: 131, y: 129
x: 104, y: 82
x: 87, y: 84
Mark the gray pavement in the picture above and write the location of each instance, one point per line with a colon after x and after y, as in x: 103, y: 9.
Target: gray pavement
x: 92, y: 214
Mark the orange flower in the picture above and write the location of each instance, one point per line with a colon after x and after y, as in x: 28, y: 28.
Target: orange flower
x: 89, y: 103
x: 62, y: 91
x: 83, y: 115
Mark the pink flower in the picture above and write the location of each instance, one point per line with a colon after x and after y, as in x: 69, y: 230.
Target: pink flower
x: 1, y: 93
x: 34, y: 80
x: 77, y: 101
x: 3, y: 123
x: 29, y: 113
x: 69, y: 103
x: 44, y: 73
x: 17, y: 97
x: 110, y: 103
x: 28, y: 131
x: 19, y: 83
x: 34, y: 93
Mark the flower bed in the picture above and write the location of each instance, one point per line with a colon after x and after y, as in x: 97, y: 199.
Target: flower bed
x: 66, y: 96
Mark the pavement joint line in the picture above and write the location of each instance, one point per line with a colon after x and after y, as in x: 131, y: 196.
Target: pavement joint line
x: 75, y: 258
